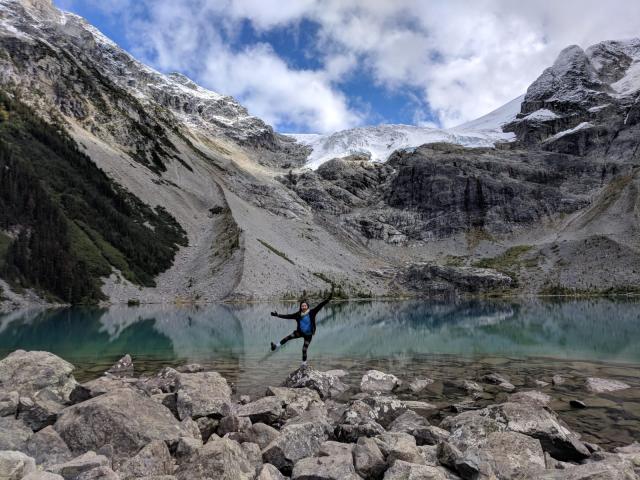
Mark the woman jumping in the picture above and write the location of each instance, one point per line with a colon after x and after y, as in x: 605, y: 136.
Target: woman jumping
x: 306, y: 325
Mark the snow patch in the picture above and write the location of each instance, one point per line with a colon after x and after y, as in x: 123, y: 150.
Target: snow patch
x: 582, y: 126
x: 541, y: 115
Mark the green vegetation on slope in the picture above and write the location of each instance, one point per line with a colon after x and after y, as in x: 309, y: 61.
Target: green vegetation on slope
x: 73, y: 224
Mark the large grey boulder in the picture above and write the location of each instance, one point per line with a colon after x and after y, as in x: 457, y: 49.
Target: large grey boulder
x: 385, y: 408
x: 14, y: 434
x: 399, y: 446
x: 154, y: 459
x: 528, y: 419
x: 219, y: 459
x: 72, y: 469
x: 264, y: 410
x: 295, y: 400
x: 296, y: 441
x: 377, y: 381
x: 124, y: 418
x: 29, y: 372
x: 603, y: 385
x: 325, y: 383
x: 39, y: 410
x: 202, y: 394
x: 164, y: 381
x: 100, y: 386
x: 325, y: 468
x: 501, y: 455
x: 401, y: 470
x: 48, y: 448
x: 357, y: 421
x: 253, y: 452
x: 258, y: 433
x: 331, y: 448
x: 409, y: 422
x: 368, y: 459
x: 15, y: 465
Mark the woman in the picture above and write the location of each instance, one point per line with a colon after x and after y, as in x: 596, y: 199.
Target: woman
x: 305, y: 325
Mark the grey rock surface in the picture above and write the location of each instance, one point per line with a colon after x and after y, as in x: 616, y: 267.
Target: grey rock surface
x: 202, y: 394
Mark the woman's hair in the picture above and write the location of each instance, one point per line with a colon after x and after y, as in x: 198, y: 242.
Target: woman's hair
x: 304, y: 301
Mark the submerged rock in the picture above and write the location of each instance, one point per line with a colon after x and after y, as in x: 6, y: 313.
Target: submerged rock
x: 602, y: 385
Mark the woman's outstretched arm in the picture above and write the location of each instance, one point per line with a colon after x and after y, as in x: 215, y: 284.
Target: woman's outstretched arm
x: 317, y: 308
x: 284, y: 315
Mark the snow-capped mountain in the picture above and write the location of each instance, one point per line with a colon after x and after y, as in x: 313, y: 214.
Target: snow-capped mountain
x: 378, y: 142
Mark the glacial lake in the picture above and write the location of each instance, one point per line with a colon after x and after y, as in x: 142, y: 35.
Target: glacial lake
x: 526, y: 340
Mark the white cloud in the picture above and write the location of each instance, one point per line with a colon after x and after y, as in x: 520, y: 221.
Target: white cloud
x: 466, y: 58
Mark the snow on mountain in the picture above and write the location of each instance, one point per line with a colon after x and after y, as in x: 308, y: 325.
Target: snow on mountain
x: 378, y: 142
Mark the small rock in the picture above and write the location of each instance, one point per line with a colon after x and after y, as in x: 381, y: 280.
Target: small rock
x: 431, y: 435
x: 368, y: 459
x: 264, y: 410
x: 377, y: 381
x: 494, y: 379
x: 557, y: 380
x: 9, y: 403
x: 419, y: 384
x: 47, y: 448
x: 401, y: 470
x: 39, y: 411
x: 531, y: 396
x: 244, y: 399
x: 73, y: 468
x: 122, y: 368
x: 233, y: 423
x: 163, y: 382
x: 324, y: 468
x: 577, y: 403
x: 540, y: 383
x: 14, y: 434
x: 399, y: 446
x: 259, y: 433
x: 358, y: 421
x: 601, y: 385
x: 187, y: 446
x: 421, y: 408
x: 207, y: 426
x: 154, y: 459
x: 470, y: 386
x: 15, y: 465
x: 337, y: 373
x: 326, y: 384
x: 269, y: 472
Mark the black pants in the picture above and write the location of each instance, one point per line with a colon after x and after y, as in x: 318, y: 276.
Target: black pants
x: 305, y: 345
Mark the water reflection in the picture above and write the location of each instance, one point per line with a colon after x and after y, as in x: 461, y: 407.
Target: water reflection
x: 599, y: 329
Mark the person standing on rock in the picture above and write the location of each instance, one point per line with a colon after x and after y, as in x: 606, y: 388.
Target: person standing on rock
x: 305, y: 319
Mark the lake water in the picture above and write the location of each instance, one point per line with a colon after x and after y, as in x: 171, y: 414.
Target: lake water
x: 523, y: 339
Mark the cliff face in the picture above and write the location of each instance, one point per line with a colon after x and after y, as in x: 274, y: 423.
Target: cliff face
x: 563, y: 194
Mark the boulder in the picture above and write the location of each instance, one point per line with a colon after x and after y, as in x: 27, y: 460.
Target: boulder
x: 264, y: 410
x: 357, y: 421
x: 377, y: 381
x: 269, y: 472
x: 602, y: 385
x: 202, y: 394
x: 430, y: 454
x: 244, y: 399
x: 470, y: 386
x: 9, y: 403
x: 254, y: 454
x: 37, y: 475
x: 557, y: 380
x: 99, y: 473
x: 385, y: 409
x: 233, y: 423
x: 503, y: 455
x: 29, y: 372
x: 431, y: 435
x: 218, y: 459
x: 336, y: 449
x: 72, y: 469
x: 295, y: 441
x: 451, y: 457
x: 399, y: 446
x: 368, y: 459
x: 124, y: 418
x: 258, y: 433
x: 207, y: 426
x: 154, y: 459
x: 324, y: 468
x: 531, y: 396
x: 14, y: 434
x: 122, y: 368
x: 500, y: 381
x: 408, y: 422
x: 40, y: 410
x: 295, y: 400
x: 421, y: 408
x: 48, y: 448
x: 100, y: 386
x: 528, y: 419
x: 419, y: 384
x: 15, y: 465
x: 186, y: 447
x: 163, y: 382
x: 326, y: 384
x: 401, y: 470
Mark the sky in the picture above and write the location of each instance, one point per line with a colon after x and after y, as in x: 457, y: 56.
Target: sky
x: 318, y: 66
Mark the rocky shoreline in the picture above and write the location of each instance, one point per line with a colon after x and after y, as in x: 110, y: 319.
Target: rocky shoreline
x: 188, y: 423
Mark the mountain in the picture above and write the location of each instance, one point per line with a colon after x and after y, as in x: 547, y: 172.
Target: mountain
x: 125, y: 184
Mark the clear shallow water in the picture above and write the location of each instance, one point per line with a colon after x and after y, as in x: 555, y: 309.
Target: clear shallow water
x: 526, y: 340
